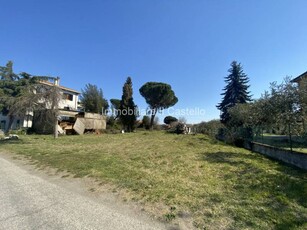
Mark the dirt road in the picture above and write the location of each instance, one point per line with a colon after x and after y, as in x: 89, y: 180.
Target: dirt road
x: 29, y: 201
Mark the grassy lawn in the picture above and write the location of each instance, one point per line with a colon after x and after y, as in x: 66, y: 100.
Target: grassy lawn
x: 218, y: 186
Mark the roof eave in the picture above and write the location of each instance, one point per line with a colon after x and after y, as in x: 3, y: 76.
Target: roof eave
x: 61, y: 87
x: 297, y: 79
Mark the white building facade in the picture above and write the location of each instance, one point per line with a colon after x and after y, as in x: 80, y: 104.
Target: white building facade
x: 68, y: 102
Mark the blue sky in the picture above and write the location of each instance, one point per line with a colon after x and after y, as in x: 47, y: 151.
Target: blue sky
x: 187, y: 44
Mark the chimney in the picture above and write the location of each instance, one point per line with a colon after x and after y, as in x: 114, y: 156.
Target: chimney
x: 57, y: 81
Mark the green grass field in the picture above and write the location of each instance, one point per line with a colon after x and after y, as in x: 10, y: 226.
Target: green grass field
x: 183, y: 177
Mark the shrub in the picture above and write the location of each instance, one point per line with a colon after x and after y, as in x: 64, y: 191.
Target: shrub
x: 237, y: 135
x: 18, y: 132
x: 180, y: 128
x: 113, y: 123
x: 210, y: 128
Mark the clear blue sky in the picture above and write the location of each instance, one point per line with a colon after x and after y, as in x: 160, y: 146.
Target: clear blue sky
x: 188, y: 44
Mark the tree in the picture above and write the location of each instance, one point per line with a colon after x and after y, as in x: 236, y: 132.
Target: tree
x: 13, y: 91
x: 128, y: 110
x: 240, y: 124
x: 169, y: 119
x: 236, y: 90
x: 92, y: 99
x: 158, y: 96
x: 22, y: 94
x: 7, y: 73
x: 280, y: 108
x: 260, y: 110
x: 112, y: 119
x: 146, y: 122
x: 241, y: 115
x: 9, y: 86
x: 115, y: 106
x: 286, y: 100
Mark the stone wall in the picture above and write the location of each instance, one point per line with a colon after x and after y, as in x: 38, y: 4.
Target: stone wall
x: 294, y: 158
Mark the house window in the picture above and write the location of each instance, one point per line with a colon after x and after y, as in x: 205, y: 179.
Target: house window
x: 2, y: 124
x: 67, y: 96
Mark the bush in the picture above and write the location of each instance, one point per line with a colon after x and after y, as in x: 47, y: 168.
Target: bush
x: 30, y: 131
x: 18, y: 132
x: 172, y: 127
x: 113, y: 123
x: 180, y: 128
x: 221, y: 134
x: 210, y: 128
x: 238, y: 136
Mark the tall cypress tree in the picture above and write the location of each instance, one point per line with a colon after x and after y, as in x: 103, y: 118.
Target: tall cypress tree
x: 128, y: 110
x: 236, y: 90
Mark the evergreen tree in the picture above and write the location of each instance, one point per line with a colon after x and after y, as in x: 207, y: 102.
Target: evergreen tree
x: 15, y: 93
x: 22, y: 93
x: 7, y: 73
x: 92, y: 99
x: 128, y: 110
x: 236, y: 90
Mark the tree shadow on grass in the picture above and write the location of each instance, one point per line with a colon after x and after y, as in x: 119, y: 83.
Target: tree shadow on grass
x: 210, y: 140
x: 252, y: 160
x: 230, y: 158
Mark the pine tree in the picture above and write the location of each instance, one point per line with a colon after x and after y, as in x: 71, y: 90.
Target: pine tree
x: 158, y: 96
x: 128, y: 110
x: 236, y: 90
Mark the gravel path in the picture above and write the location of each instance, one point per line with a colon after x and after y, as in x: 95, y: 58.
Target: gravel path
x: 28, y: 201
